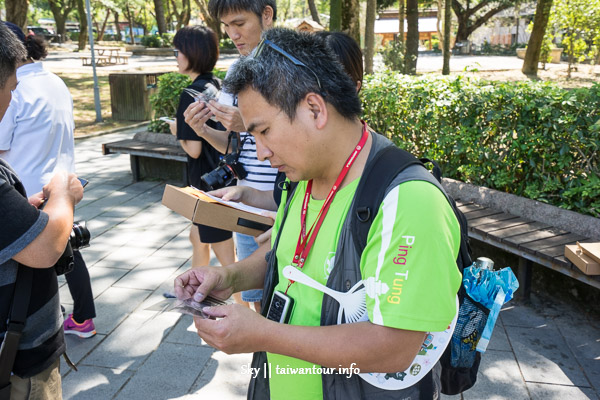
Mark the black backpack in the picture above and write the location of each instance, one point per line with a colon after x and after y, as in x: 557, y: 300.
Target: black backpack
x: 388, y: 163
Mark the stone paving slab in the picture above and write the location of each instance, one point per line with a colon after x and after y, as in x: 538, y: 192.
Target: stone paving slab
x: 150, y: 273
x: 498, y: 378
x: 77, y: 349
x: 540, y: 391
x: 94, y: 383
x: 133, y: 341
x: 222, y: 378
x: 114, y: 305
x: 127, y: 257
x: 544, y: 356
x: 584, y: 342
x: 499, y: 339
x: 169, y: 372
x: 104, y: 278
x: 101, y: 224
x: 184, y: 332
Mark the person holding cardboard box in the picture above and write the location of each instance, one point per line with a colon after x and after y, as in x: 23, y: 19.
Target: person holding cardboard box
x: 197, y: 52
x: 308, y: 126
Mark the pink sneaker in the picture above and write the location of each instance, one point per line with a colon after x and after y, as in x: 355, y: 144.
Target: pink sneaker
x: 83, y: 330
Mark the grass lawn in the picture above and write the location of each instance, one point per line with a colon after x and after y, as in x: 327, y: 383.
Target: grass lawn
x: 81, y: 87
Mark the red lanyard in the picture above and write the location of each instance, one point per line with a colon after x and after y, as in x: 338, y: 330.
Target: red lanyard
x: 306, y: 240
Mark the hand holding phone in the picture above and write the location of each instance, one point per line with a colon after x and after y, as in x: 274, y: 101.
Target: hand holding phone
x: 83, y: 182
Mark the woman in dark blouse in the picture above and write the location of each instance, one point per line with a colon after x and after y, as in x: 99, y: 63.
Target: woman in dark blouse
x: 197, y: 51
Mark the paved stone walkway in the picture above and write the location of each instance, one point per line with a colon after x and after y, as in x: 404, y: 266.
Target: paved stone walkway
x: 139, y: 246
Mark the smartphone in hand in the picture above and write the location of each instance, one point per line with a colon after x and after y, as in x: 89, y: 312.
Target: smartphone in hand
x: 83, y: 182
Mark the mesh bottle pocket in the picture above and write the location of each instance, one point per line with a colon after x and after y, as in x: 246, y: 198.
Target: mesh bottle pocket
x: 472, y: 318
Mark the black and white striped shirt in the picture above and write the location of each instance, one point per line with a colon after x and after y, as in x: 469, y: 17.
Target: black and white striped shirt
x: 260, y: 174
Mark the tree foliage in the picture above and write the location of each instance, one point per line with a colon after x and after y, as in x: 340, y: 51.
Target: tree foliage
x: 577, y: 24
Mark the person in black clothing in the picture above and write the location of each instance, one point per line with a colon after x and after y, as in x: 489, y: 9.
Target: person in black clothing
x: 197, y: 51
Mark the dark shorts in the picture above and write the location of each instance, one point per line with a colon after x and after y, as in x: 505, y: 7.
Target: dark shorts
x: 208, y: 234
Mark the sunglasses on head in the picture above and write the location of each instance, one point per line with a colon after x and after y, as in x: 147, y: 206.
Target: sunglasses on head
x: 266, y: 42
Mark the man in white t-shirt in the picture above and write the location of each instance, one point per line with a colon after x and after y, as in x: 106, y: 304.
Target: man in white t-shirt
x: 37, y: 140
x: 244, y: 22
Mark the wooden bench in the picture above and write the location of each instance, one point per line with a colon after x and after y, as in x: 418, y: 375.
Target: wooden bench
x: 137, y: 149
x: 123, y: 58
x: 100, y: 60
x: 537, y: 235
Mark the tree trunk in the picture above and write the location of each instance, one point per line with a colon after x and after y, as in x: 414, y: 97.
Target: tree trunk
x: 16, y: 12
x: 466, y: 26
x: 117, y: 25
x: 60, y: 11
x: 213, y: 23
x: 103, y: 27
x: 412, y: 37
x: 129, y: 16
x: 401, y: 16
x: 335, y: 15
x: 83, y: 25
x: 370, y: 35
x: 187, y: 13
x: 161, y: 22
x: 351, y: 19
x: 447, y: 30
x: 440, y: 20
x: 534, y: 46
x: 314, y: 13
x: 518, y: 21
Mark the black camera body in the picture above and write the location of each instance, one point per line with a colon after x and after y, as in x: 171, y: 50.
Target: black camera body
x: 80, y: 238
x: 229, y: 167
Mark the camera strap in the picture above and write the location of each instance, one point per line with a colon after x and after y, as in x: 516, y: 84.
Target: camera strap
x: 14, y: 329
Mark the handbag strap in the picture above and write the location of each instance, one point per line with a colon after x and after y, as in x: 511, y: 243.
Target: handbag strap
x: 15, y: 326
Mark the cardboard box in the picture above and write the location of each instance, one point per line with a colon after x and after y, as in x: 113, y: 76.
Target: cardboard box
x: 586, y: 264
x: 591, y: 250
x: 201, y: 210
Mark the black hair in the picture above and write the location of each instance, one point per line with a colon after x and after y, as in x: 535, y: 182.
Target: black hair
x: 199, y: 44
x: 284, y: 84
x: 218, y: 8
x: 12, y: 52
x: 347, y: 51
x: 36, y: 46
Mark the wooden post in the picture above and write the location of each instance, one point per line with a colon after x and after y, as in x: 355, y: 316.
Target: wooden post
x: 524, y: 276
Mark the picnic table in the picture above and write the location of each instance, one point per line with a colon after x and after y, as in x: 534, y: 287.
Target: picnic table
x: 107, y: 55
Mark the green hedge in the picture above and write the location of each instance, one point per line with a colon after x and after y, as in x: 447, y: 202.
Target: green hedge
x: 531, y: 139
x: 165, y: 101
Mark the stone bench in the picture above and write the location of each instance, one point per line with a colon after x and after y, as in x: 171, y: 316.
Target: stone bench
x: 535, y: 232
x: 147, y: 145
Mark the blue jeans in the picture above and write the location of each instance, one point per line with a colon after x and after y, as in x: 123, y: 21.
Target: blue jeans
x: 246, y: 245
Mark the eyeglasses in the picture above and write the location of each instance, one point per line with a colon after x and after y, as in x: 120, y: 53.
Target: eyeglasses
x: 267, y: 42
x: 175, y: 52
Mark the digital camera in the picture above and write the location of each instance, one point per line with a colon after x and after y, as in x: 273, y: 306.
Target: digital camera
x: 229, y: 168
x: 80, y: 238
